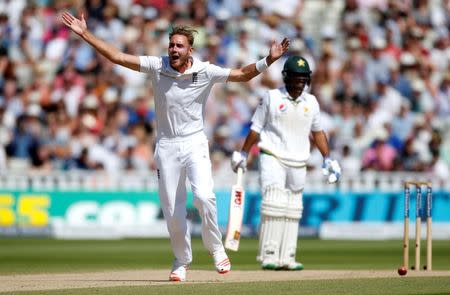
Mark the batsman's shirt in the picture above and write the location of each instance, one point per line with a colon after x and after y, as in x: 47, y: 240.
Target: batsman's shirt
x: 284, y: 125
x: 180, y: 97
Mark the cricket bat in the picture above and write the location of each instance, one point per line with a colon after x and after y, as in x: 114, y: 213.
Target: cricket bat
x: 236, y: 214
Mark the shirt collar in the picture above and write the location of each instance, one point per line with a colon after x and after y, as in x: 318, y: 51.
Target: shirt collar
x: 298, y: 99
x: 167, y: 70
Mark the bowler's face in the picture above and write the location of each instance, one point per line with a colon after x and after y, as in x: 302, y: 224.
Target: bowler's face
x: 179, y: 51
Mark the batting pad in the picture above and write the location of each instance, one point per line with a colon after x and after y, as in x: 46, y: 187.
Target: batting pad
x: 294, y: 212
x: 273, y: 210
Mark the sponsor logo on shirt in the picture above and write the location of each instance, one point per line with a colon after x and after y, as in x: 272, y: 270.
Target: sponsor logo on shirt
x: 282, y: 107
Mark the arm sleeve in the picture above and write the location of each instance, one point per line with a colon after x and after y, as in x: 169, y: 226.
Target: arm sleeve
x: 260, y: 116
x: 149, y: 64
x: 316, y: 123
x: 217, y: 74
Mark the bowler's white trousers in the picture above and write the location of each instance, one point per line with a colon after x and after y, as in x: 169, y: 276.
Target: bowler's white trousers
x: 178, y: 158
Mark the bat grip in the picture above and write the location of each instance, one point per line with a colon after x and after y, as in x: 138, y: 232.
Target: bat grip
x: 240, y: 174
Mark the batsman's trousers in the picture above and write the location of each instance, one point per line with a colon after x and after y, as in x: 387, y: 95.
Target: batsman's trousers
x: 275, y: 174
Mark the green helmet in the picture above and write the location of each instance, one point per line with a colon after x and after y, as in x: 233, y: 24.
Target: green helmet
x: 296, y: 64
x: 293, y: 67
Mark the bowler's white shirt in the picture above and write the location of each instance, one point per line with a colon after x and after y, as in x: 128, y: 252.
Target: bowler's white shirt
x: 284, y: 125
x: 180, y: 97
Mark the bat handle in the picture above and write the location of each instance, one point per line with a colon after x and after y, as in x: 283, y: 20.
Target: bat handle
x: 240, y: 174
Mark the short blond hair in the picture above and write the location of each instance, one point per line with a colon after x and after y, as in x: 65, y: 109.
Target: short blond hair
x: 185, y: 31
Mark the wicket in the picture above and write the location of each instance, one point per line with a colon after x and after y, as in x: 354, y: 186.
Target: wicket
x: 429, y: 196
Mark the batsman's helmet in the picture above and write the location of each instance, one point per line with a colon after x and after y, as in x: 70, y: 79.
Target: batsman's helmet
x: 296, y: 66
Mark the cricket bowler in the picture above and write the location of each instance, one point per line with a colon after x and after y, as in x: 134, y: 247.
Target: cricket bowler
x: 181, y: 87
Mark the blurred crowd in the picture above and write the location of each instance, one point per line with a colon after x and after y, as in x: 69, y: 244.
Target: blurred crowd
x: 381, y: 73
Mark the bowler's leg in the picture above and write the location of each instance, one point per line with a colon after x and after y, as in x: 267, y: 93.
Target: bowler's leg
x: 200, y: 176
x: 172, y: 193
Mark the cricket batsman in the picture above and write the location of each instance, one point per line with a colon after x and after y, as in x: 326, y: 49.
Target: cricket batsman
x: 282, y: 124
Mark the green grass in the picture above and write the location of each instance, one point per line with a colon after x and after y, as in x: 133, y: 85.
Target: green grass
x: 48, y: 255
x: 19, y: 256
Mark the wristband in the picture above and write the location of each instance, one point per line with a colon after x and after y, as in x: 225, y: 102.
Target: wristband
x: 261, y: 65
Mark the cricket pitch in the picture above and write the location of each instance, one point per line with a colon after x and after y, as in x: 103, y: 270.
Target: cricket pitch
x: 15, y: 283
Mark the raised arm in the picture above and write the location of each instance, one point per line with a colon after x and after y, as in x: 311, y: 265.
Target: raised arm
x: 79, y: 27
x: 252, y: 70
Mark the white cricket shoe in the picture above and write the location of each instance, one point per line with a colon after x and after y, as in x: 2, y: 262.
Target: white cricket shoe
x: 270, y: 264
x: 221, y: 262
x: 178, y: 273
x: 294, y: 265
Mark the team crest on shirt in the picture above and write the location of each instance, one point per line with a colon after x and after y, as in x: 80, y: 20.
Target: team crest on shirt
x: 282, y: 107
x: 194, y: 77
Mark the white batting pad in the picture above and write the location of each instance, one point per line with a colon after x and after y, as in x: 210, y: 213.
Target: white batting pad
x: 290, y: 232
x: 273, y: 210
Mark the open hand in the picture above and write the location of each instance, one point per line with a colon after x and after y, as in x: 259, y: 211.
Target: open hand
x: 278, y: 49
x: 79, y: 26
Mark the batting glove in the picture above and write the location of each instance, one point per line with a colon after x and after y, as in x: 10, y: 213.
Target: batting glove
x: 331, y: 169
x: 239, y: 160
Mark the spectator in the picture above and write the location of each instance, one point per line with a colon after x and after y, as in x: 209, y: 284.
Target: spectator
x: 348, y: 44
x: 439, y: 169
x: 349, y: 162
x: 443, y: 99
x: 381, y: 155
x: 26, y: 138
x: 409, y: 159
x: 402, y: 125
